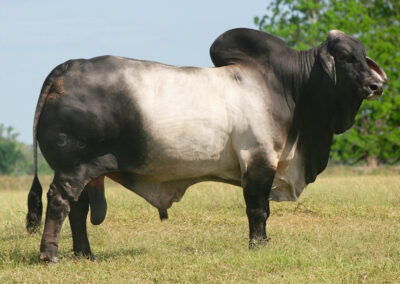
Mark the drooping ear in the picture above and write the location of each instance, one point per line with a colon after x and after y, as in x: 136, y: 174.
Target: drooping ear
x: 328, y: 63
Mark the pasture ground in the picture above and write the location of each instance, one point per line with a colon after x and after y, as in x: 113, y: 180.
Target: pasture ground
x: 344, y: 228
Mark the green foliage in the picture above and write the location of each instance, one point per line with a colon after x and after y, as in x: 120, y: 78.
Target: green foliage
x: 16, y: 158
x: 25, y: 165
x: 10, y: 154
x: 376, y: 23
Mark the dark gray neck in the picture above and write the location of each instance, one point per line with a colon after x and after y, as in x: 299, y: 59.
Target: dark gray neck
x: 314, y: 107
x: 305, y: 62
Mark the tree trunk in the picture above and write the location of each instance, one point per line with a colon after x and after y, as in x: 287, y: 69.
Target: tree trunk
x: 371, y: 161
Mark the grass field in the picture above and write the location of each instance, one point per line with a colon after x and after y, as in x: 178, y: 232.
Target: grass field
x: 344, y: 228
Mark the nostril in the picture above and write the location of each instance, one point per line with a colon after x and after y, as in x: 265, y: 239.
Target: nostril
x: 373, y: 87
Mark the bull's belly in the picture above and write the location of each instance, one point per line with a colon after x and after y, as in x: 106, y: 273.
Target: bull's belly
x: 165, y: 169
x: 172, y: 165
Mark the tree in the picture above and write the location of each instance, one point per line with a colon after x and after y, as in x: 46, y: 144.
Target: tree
x: 375, y: 137
x: 9, y: 152
x: 25, y: 165
x: 16, y: 158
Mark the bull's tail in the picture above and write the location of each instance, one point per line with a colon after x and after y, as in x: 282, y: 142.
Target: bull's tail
x: 163, y: 214
x: 35, y: 206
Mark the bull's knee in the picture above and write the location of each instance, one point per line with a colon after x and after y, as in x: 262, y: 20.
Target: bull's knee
x: 257, y: 214
x: 57, y: 203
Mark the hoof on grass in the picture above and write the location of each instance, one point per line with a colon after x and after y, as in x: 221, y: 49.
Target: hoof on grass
x: 49, y: 260
x: 88, y: 255
x: 258, y: 243
x: 32, y: 226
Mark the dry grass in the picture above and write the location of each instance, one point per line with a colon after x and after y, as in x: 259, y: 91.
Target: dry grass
x: 343, y: 229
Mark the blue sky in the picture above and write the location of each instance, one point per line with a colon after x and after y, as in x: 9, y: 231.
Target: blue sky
x: 35, y: 36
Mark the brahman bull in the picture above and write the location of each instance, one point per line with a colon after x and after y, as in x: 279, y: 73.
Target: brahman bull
x: 263, y: 119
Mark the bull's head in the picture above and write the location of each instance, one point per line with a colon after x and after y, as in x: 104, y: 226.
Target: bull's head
x: 354, y: 75
x: 344, y: 59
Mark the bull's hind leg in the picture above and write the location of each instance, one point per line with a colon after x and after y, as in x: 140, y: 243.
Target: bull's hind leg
x: 257, y: 182
x: 63, y: 195
x: 58, y: 207
x: 77, y: 220
x: 93, y: 194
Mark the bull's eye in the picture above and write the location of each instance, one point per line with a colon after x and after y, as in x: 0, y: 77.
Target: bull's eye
x: 76, y: 163
x: 81, y: 144
x: 351, y: 58
x: 346, y: 57
x: 342, y: 56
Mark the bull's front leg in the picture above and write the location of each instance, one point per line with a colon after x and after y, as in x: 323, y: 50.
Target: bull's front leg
x: 58, y: 208
x: 257, y: 182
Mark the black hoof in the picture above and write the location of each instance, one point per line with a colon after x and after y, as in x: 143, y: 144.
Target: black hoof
x: 49, y: 259
x: 258, y: 243
x: 88, y: 255
x: 32, y: 224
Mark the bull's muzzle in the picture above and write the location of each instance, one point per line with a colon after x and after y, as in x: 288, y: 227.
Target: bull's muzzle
x: 375, y: 90
x: 374, y: 86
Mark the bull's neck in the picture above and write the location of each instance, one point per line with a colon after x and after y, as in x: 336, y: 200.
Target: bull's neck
x: 304, y: 62
x: 313, y: 112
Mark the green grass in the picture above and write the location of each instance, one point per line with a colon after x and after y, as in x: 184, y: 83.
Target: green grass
x: 344, y: 228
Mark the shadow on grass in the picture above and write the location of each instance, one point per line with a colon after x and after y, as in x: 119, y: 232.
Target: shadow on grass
x: 15, y: 237
x: 17, y: 257
x: 16, y: 249
x: 109, y: 255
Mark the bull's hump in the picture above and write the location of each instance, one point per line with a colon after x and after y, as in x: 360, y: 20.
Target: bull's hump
x: 244, y: 46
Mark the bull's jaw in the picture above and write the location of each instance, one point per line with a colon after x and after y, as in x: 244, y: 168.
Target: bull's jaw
x: 373, y: 96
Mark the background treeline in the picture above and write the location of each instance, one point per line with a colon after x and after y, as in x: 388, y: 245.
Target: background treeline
x: 375, y: 137
x: 16, y: 158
